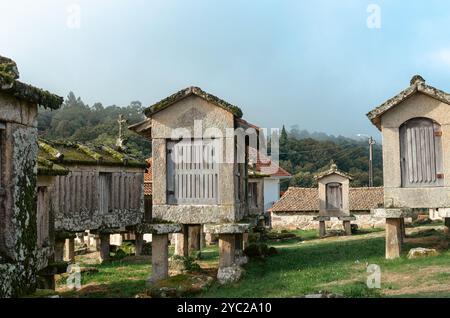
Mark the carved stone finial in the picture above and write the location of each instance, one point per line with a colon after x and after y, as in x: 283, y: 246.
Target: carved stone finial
x: 120, y: 140
x: 417, y: 79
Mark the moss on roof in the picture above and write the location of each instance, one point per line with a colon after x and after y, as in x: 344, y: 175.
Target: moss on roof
x: 236, y: 111
x: 10, y: 85
x: 48, y: 168
x: 86, y: 154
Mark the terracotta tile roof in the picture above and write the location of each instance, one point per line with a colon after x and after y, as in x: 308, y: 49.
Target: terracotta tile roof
x: 307, y: 199
x: 298, y: 200
x: 363, y: 199
x: 265, y: 165
x: 148, y: 182
x: 148, y: 188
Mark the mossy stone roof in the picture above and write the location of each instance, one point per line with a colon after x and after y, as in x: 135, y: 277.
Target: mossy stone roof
x: 236, y: 111
x: 56, y: 156
x: 9, y: 84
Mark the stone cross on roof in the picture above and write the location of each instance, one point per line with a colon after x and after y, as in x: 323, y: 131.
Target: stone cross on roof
x: 120, y: 140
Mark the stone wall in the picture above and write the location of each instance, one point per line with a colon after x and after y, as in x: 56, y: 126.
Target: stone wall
x: 19, y: 257
x: 304, y: 221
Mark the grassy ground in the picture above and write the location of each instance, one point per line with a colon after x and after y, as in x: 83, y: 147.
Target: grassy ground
x: 336, y: 265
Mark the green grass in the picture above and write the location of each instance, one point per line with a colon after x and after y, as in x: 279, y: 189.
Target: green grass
x: 336, y: 265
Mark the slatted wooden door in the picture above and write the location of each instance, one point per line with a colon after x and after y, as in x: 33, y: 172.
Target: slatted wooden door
x: 421, y: 153
x: 334, y: 196
x: 192, y: 172
x: 104, y: 192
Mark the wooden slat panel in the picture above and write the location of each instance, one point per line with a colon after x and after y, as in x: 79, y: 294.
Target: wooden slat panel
x: 419, y: 148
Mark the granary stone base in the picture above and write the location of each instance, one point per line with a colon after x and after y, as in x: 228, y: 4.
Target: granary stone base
x: 104, y: 247
x: 394, y: 237
x: 160, y: 252
x: 160, y: 258
x: 69, y: 250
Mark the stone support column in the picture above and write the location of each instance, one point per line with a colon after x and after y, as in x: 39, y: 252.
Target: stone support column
x: 227, y: 248
x: 393, y: 238
x: 322, y: 229
x: 347, y: 228
x: 59, y: 250
x: 194, y: 237
x: 160, y: 257
x: 69, y: 250
x: 104, y: 247
x: 139, y: 243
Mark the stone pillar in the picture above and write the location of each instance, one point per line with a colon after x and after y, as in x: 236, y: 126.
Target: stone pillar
x: 69, y: 250
x: 227, y: 246
x: 393, y: 238
x: 202, y: 239
x: 139, y: 243
x: 447, y: 226
x: 80, y: 237
x: 322, y: 229
x: 181, y: 242
x: 160, y: 257
x: 244, y: 240
x: 95, y: 242
x: 194, y: 237
x: 59, y: 250
x: 239, y: 242
x: 402, y: 230
x: 104, y: 247
x: 347, y: 228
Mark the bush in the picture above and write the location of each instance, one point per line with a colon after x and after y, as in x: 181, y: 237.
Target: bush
x: 259, y: 250
x: 147, y: 248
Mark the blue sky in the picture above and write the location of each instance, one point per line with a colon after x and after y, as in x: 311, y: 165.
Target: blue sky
x: 314, y: 64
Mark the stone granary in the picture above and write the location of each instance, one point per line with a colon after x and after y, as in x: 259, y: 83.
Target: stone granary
x: 415, y: 125
x: 200, y: 173
x: 333, y: 201
x: 23, y: 252
x: 102, y: 191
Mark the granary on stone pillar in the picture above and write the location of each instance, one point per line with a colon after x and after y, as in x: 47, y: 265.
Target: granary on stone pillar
x: 334, y: 186
x: 23, y: 250
x: 199, y: 166
x: 102, y: 190
x: 415, y: 126
x: 301, y: 208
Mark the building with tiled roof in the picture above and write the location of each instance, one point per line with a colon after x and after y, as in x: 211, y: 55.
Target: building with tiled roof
x: 272, y: 173
x: 298, y: 207
x: 307, y: 200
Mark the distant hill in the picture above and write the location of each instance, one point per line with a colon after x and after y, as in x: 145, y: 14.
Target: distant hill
x: 304, y: 154
x: 77, y: 121
x: 301, y: 153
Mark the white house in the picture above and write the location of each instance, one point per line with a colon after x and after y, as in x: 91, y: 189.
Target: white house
x: 272, y: 178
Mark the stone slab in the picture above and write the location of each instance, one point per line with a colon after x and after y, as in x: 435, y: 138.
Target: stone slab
x: 227, y: 228
x: 347, y: 218
x: 392, y: 213
x: 322, y: 218
x: 163, y: 228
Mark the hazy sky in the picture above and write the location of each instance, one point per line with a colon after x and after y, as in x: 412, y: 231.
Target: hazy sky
x: 316, y: 64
